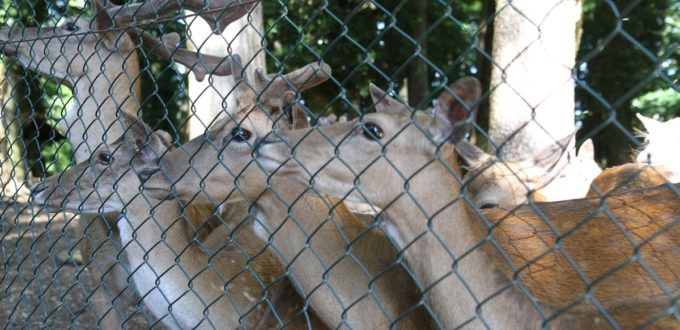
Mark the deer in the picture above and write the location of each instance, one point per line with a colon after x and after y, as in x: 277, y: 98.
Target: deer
x: 347, y: 272
x: 661, y: 137
x: 185, y: 284
x: 492, y: 182
x: 98, y: 59
x: 404, y: 162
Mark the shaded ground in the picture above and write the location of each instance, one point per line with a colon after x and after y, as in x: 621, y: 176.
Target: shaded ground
x: 40, y: 285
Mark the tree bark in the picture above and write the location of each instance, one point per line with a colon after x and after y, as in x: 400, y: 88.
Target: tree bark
x: 213, y: 97
x: 12, y: 170
x: 532, y: 103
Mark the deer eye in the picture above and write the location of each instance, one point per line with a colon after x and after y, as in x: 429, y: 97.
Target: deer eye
x: 104, y: 158
x: 373, y: 131
x: 489, y: 206
x: 71, y: 27
x: 240, y: 134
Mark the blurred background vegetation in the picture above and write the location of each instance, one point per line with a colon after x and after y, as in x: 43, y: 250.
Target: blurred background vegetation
x: 370, y: 41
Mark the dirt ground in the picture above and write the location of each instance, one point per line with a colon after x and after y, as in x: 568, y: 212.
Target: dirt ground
x: 42, y: 284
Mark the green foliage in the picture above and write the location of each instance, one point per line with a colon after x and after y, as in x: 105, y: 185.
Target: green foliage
x: 56, y: 156
x: 369, y: 41
x: 629, y: 62
x: 627, y: 51
x: 164, y: 88
x: 662, y: 102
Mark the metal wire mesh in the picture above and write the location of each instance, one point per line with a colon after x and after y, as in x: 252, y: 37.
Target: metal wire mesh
x: 265, y: 183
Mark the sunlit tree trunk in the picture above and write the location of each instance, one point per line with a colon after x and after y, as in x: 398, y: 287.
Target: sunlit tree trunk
x: 11, y: 168
x: 534, y: 46
x: 213, y: 97
x: 532, y: 102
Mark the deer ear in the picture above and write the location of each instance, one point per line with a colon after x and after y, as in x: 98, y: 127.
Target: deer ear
x: 587, y: 150
x: 135, y: 130
x: 650, y: 124
x: 383, y: 101
x: 457, y: 104
x: 471, y: 155
x: 547, y: 158
x: 297, y: 118
x: 152, y: 148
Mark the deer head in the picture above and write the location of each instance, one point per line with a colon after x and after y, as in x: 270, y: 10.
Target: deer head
x: 203, y: 166
x: 104, y: 182
x: 353, y: 157
x: 493, y: 182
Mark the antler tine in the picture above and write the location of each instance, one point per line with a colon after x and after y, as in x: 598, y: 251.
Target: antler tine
x: 218, y: 13
x: 273, y: 86
x: 147, y: 10
x: 200, y: 64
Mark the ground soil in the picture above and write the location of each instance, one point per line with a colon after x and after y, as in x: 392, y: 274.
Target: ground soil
x: 42, y: 283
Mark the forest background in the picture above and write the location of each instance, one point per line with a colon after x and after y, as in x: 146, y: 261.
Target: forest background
x: 373, y: 41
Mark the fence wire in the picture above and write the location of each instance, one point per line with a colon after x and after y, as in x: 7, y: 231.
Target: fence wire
x: 360, y: 164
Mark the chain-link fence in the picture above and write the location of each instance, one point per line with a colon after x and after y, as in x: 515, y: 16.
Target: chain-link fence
x: 315, y: 164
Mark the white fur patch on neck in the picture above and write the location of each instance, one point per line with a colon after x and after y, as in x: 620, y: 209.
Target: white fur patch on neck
x: 392, y: 231
x: 125, y: 229
x: 258, y: 227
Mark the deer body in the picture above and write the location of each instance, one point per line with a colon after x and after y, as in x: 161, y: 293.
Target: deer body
x: 406, y: 170
x: 630, y: 291
x: 626, y: 177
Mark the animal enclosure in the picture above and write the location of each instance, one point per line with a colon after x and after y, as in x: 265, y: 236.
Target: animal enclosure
x: 361, y: 164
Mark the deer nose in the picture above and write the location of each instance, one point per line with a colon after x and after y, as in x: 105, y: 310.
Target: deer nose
x: 145, y: 174
x: 38, y: 189
x: 37, y: 194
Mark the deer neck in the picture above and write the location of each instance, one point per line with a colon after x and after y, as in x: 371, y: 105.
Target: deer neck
x: 432, y: 210
x: 174, y: 270
x: 313, y: 245
x: 98, y: 97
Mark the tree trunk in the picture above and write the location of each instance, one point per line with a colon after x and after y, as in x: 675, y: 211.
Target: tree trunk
x: 484, y: 66
x: 213, y: 97
x: 534, y: 47
x: 11, y: 166
x: 417, y: 80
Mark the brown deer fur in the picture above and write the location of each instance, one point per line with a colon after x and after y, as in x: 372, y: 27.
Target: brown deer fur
x: 626, y: 177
